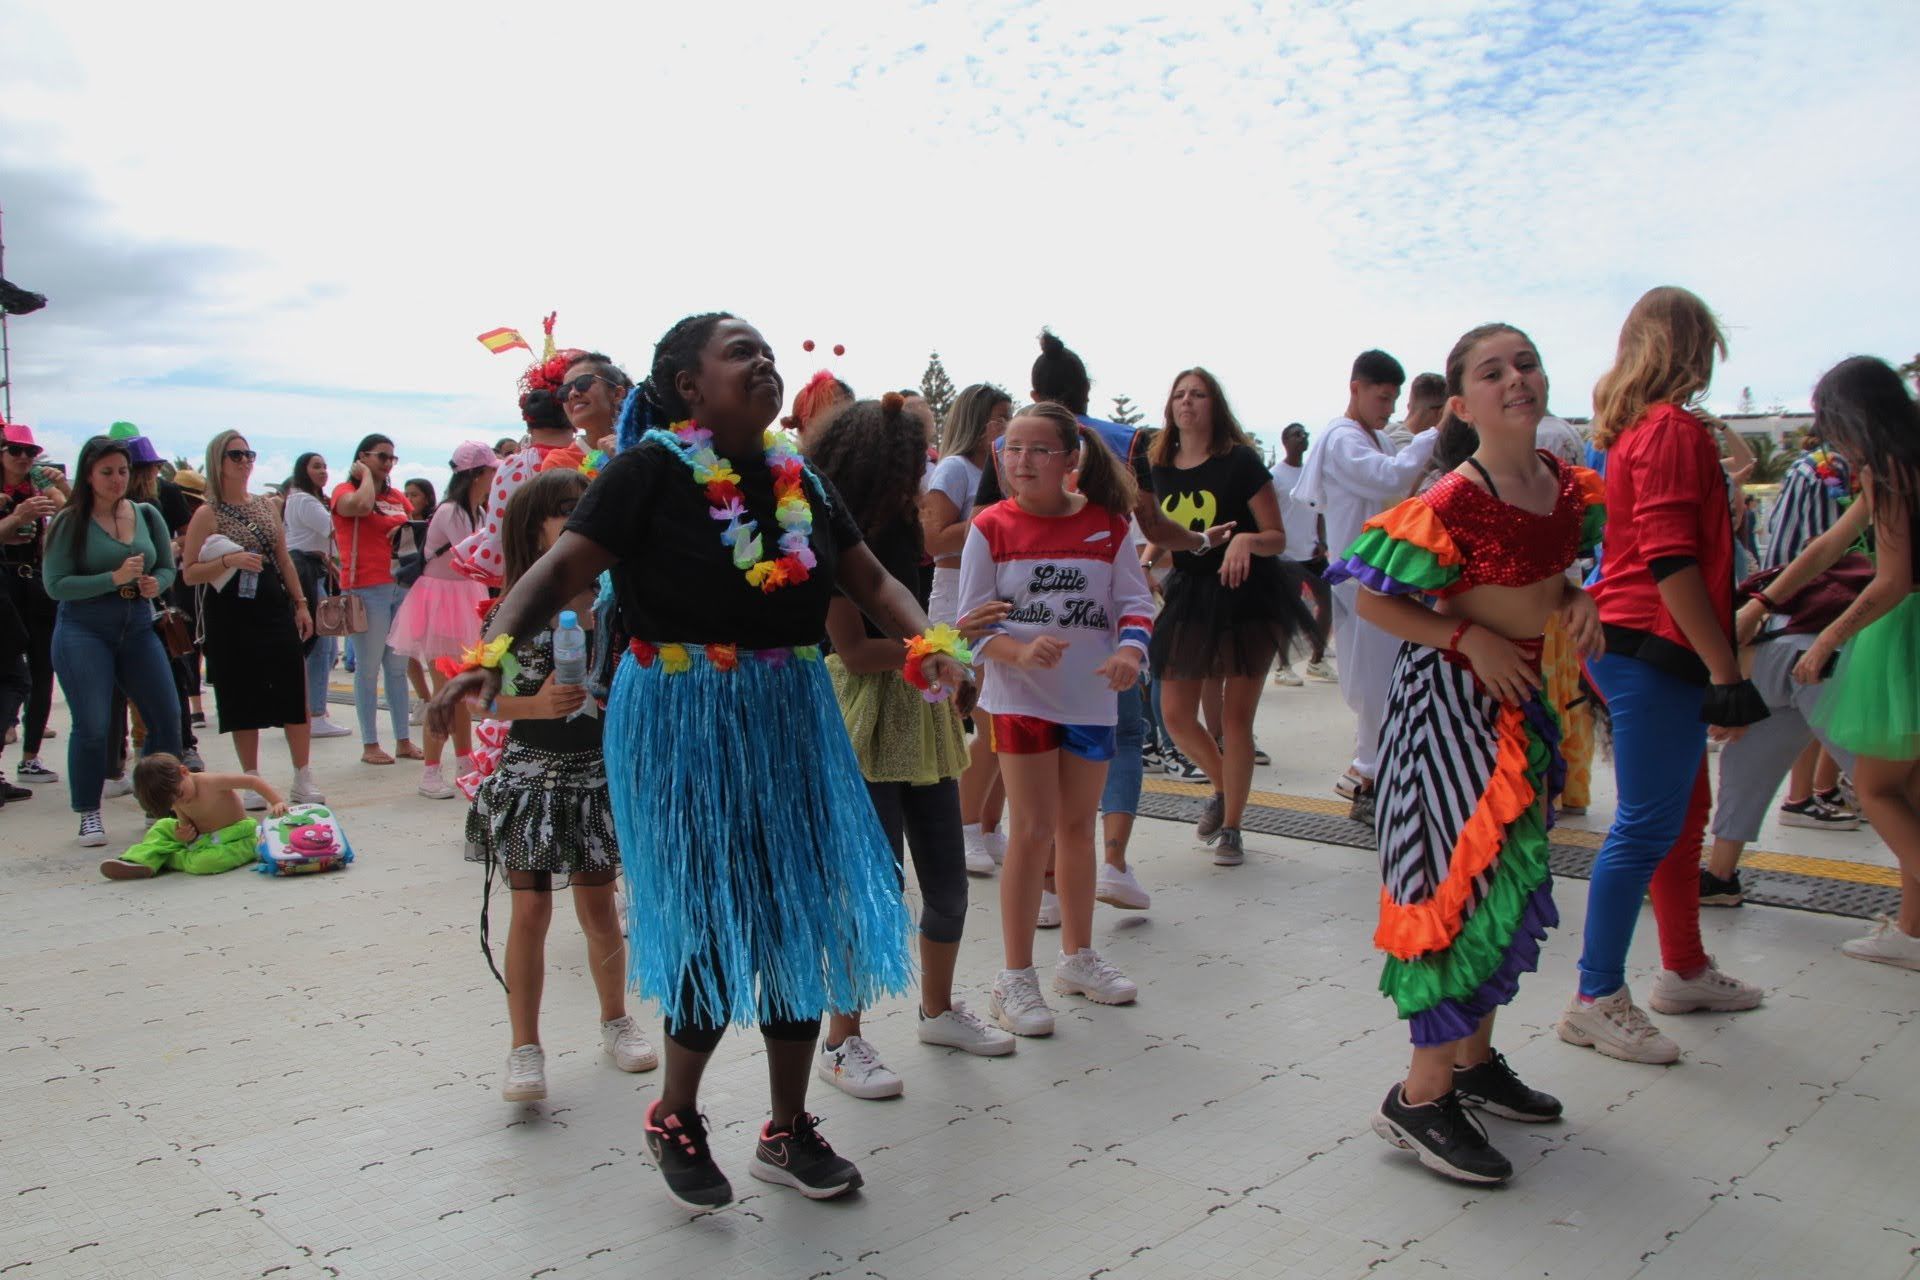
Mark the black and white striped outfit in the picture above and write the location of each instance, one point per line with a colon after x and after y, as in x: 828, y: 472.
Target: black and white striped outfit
x: 1805, y: 510
x: 1434, y: 768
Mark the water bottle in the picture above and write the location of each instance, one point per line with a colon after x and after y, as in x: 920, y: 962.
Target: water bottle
x: 569, y: 650
x: 249, y: 585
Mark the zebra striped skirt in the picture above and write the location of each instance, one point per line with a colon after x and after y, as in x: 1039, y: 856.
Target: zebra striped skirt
x: 1465, y: 790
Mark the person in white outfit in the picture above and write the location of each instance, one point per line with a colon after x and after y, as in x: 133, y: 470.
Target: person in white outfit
x: 1355, y: 472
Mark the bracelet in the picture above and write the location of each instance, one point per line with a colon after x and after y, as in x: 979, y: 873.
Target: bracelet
x: 1766, y: 601
x: 937, y: 639
x: 1453, y: 641
x: 488, y: 655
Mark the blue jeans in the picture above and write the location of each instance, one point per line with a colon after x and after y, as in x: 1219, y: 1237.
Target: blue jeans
x: 1659, y: 764
x: 1122, y: 792
x: 99, y: 644
x: 370, y: 657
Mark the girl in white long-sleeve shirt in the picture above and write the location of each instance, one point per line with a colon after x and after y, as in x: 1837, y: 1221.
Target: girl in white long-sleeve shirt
x: 1082, y: 617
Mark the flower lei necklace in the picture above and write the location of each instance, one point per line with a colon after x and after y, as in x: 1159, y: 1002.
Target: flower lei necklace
x: 741, y: 537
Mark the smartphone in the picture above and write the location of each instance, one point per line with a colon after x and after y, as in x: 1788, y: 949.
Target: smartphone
x: 1827, y: 667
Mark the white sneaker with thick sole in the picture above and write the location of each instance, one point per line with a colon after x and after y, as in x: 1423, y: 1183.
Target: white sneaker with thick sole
x: 1617, y: 1027
x: 1323, y: 670
x: 305, y: 790
x: 115, y: 787
x: 996, y: 845
x: 526, y: 1074
x: 855, y: 1069
x: 979, y: 859
x: 321, y: 727
x: 1287, y: 678
x: 1709, y: 992
x: 434, y: 785
x: 93, y: 832
x: 253, y: 802
x: 961, y: 1028
x: 417, y: 714
x: 1017, y: 1005
x: 626, y: 1046
x: 1049, y: 916
x: 1086, y: 974
x: 1118, y: 888
x: 1885, y: 945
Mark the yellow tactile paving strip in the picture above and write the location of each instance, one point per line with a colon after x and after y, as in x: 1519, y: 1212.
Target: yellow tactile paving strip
x: 1758, y: 859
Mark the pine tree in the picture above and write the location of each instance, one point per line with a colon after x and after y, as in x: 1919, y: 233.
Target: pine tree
x: 937, y: 387
x: 1126, y: 413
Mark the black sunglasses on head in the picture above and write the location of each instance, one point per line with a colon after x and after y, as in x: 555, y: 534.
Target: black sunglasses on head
x: 241, y: 455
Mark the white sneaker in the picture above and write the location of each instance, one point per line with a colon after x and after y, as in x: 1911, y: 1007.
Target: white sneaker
x: 628, y: 1048
x: 1885, y: 945
x: 961, y: 1028
x: 1049, y: 917
x: 1088, y: 975
x: 321, y: 727
x: 1712, y: 992
x: 1616, y: 1027
x: 1017, y: 1005
x: 1286, y: 677
x: 996, y: 845
x: 855, y: 1069
x: 418, y: 713
x: 433, y: 786
x: 253, y: 802
x: 1118, y: 888
x: 305, y: 790
x: 526, y: 1074
x: 979, y: 860
x: 1323, y: 670
x: 93, y: 832
x: 113, y: 787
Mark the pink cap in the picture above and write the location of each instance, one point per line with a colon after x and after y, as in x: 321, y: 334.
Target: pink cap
x: 20, y: 433
x: 469, y: 454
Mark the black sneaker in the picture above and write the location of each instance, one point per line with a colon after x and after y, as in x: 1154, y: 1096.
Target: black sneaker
x: 1444, y: 1136
x: 9, y: 792
x: 1492, y: 1086
x: 199, y: 719
x: 1212, y: 817
x: 1151, y: 758
x: 1815, y: 816
x: 800, y: 1158
x: 1260, y: 755
x: 678, y: 1144
x: 1715, y: 892
x: 1178, y: 766
x: 1835, y: 799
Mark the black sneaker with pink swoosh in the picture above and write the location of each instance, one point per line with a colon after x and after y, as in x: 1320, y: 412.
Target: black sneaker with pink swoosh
x: 800, y: 1158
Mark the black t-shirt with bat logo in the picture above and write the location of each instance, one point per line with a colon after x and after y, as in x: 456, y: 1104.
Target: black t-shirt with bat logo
x: 1218, y: 490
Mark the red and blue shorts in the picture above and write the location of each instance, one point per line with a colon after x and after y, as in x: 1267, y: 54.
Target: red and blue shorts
x: 1031, y: 736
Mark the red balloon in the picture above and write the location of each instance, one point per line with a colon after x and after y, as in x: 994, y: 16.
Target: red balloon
x: 807, y: 345
x: 839, y: 350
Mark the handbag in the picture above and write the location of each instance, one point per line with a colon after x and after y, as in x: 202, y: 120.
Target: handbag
x: 343, y: 614
x: 175, y: 632
x: 1820, y: 601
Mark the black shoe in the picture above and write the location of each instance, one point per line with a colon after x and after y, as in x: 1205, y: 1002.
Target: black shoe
x: 678, y: 1145
x: 1212, y: 817
x: 1178, y: 766
x: 1492, y: 1086
x: 1715, y: 892
x: 9, y: 792
x: 1151, y: 759
x: 1260, y: 755
x: 800, y: 1158
x: 1444, y: 1136
x: 199, y: 719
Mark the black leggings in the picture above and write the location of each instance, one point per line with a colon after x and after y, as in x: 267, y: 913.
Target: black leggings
x: 37, y: 614
x: 701, y: 1037
x: 928, y: 819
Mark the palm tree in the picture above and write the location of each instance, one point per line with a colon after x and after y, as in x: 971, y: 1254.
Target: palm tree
x: 1770, y: 461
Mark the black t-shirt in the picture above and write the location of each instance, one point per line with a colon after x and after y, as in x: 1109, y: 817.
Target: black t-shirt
x: 1128, y: 444
x: 676, y: 582
x: 1218, y: 490
x: 897, y: 548
x: 174, y: 508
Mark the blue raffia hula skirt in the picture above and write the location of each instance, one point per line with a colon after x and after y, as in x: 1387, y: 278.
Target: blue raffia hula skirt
x: 760, y: 885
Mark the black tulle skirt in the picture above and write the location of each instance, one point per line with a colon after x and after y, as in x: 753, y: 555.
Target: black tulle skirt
x: 1205, y: 629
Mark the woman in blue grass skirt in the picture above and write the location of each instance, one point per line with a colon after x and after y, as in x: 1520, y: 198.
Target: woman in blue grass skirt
x: 760, y: 885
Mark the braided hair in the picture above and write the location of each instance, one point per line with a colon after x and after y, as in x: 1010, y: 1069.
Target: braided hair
x: 656, y: 402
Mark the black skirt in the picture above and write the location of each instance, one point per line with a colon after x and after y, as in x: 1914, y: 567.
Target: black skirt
x: 254, y: 656
x: 1205, y: 629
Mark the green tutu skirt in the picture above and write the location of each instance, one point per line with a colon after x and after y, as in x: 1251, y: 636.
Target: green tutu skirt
x: 1871, y: 706
x: 897, y: 735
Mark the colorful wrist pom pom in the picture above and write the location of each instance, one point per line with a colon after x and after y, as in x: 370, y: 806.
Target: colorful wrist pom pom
x: 493, y: 654
x: 937, y: 639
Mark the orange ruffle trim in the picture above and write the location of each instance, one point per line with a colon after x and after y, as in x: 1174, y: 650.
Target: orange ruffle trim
x: 1413, y: 929
x: 1413, y: 521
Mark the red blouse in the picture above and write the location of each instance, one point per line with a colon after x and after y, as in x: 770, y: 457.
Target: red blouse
x: 1502, y: 545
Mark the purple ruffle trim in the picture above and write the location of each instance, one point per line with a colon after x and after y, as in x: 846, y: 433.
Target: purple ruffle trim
x: 1367, y: 576
x: 1451, y: 1019
x: 1548, y: 728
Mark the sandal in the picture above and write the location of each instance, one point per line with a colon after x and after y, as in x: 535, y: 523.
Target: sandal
x: 374, y: 755
x: 1351, y: 785
x: 408, y: 751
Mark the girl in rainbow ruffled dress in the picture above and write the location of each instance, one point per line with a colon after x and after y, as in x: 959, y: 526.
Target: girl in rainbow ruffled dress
x: 1469, y: 757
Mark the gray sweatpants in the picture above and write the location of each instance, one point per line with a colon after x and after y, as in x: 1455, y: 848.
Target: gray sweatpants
x: 1752, y: 769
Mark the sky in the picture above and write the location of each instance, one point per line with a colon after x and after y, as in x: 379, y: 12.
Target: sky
x: 295, y: 220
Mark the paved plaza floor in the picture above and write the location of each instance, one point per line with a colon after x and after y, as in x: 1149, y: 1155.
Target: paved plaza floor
x: 239, y: 1076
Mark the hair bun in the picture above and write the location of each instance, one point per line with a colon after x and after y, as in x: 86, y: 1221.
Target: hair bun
x: 892, y: 403
x: 1051, y: 344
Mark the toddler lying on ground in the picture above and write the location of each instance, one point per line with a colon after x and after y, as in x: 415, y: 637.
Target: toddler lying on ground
x: 208, y: 832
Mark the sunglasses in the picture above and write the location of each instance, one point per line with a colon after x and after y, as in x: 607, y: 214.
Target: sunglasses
x: 582, y: 384
x: 23, y: 450
x: 241, y: 455
x: 384, y: 457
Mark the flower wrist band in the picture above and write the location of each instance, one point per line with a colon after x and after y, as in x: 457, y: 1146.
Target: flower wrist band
x: 937, y: 639
x: 494, y: 654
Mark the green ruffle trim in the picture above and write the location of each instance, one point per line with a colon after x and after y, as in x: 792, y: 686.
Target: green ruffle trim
x: 1592, y: 525
x: 1519, y: 869
x: 1403, y: 561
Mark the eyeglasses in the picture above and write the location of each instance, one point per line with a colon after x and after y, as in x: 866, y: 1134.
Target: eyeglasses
x: 581, y: 385
x: 23, y: 450
x: 1038, y: 452
x: 241, y: 455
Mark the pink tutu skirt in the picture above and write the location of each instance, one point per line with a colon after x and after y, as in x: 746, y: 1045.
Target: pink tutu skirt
x: 439, y: 618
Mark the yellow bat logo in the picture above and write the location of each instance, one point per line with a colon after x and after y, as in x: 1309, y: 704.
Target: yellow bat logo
x: 1192, y: 511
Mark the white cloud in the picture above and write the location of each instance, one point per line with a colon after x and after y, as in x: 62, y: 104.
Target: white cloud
x: 1265, y: 189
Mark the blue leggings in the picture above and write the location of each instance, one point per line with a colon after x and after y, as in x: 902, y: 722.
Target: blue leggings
x: 1660, y: 768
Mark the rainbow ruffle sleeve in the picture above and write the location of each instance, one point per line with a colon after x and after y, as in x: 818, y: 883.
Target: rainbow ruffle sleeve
x: 1402, y: 551
x: 1592, y: 489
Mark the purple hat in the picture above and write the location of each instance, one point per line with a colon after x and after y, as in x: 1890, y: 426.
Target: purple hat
x: 20, y: 433
x: 140, y: 451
